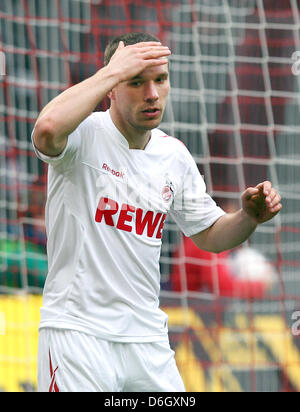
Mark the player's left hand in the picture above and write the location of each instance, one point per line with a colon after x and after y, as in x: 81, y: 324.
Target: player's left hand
x: 262, y: 202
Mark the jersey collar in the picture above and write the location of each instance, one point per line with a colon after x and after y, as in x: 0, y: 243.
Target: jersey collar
x: 121, y: 138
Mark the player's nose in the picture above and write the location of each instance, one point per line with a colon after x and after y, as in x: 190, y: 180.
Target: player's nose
x: 151, y: 93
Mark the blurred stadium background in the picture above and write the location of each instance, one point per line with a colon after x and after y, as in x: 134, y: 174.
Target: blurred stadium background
x: 234, y: 103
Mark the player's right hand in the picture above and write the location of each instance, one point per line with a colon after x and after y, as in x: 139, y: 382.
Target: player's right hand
x: 129, y: 61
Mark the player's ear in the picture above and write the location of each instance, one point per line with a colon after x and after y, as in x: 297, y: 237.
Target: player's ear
x: 111, y: 95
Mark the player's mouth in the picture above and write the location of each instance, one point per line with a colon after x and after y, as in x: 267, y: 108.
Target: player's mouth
x: 151, y: 112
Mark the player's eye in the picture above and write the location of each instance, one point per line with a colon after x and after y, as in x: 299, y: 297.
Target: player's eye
x: 161, y: 79
x: 135, y: 83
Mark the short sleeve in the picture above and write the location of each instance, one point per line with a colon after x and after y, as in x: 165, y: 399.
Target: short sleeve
x: 71, y: 152
x: 193, y: 209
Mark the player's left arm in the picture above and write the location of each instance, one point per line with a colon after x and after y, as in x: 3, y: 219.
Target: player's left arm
x: 259, y: 204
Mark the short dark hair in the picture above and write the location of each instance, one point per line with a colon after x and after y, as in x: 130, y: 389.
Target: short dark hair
x: 128, y: 39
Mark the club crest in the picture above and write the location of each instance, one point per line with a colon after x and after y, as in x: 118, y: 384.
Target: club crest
x: 168, y: 192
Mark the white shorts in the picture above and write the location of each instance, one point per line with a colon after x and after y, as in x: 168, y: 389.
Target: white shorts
x: 71, y: 361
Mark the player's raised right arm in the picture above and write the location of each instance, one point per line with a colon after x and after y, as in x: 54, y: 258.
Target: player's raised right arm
x: 64, y: 113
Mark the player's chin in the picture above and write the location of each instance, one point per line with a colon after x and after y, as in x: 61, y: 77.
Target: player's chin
x: 151, y: 123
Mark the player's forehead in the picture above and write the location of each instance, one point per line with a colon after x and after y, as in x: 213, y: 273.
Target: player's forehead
x: 151, y: 73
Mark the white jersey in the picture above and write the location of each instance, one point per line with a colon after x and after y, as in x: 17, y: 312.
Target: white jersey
x: 105, y: 213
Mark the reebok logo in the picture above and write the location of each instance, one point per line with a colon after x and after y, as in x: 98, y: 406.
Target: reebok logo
x: 112, y: 171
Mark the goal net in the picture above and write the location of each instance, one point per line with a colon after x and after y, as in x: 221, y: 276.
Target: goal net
x: 235, y: 104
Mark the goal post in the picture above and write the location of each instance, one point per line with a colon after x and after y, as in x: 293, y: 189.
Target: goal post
x: 234, y: 103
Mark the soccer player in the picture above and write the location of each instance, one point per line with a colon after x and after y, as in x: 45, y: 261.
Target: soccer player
x: 113, y: 177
